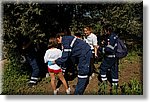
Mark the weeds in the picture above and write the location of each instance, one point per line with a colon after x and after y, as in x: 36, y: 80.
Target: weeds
x: 132, y: 88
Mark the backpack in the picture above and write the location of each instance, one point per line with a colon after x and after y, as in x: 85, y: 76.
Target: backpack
x: 121, y: 51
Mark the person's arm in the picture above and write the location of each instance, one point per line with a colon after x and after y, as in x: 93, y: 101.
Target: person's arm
x: 95, y: 45
x: 111, y: 46
x: 66, y: 51
x: 45, y: 57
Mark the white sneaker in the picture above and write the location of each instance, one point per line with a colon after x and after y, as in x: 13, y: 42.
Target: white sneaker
x: 68, y: 91
x: 57, y: 89
x: 47, y: 75
x: 93, y: 74
x: 90, y: 78
x: 55, y: 92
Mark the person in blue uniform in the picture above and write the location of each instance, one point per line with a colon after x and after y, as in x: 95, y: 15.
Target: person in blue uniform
x: 29, y: 54
x: 110, y: 61
x: 81, y: 52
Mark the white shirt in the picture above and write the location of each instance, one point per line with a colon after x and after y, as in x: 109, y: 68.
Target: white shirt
x: 91, y: 40
x: 52, y: 55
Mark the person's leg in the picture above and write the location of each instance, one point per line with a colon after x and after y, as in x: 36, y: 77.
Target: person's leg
x: 61, y: 77
x: 92, y: 67
x: 64, y: 71
x: 83, y: 72
x: 114, y: 74
x: 35, y: 71
x: 115, y: 79
x: 81, y: 85
x: 35, y: 68
x: 103, y: 70
x: 105, y: 65
x: 52, y: 75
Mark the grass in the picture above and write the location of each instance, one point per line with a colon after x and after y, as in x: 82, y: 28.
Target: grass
x: 15, y: 80
x: 12, y: 79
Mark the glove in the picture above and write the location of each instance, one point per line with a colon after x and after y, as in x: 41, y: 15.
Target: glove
x: 50, y: 63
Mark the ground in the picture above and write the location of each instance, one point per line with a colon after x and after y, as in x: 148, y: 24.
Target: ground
x: 128, y: 70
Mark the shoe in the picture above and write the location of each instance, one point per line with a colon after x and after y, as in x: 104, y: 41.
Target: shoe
x: 93, y: 74
x: 90, y: 78
x: 68, y: 91
x: 47, y: 75
x: 55, y: 92
x: 57, y: 89
x: 32, y: 83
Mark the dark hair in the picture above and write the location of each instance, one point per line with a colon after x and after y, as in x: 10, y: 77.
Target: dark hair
x: 108, y: 27
x: 67, y: 32
x: 78, y: 34
x: 52, y: 43
x: 58, y: 35
x: 25, y: 40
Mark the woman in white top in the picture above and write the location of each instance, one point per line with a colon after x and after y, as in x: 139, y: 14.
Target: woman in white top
x: 91, y: 39
x: 51, y: 55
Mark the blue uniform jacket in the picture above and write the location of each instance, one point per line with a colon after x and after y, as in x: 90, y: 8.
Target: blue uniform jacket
x: 110, y: 45
x: 79, y: 49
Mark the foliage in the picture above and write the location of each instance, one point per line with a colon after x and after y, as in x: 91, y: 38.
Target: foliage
x: 125, y: 17
x: 40, y: 21
x: 13, y: 79
x: 132, y: 88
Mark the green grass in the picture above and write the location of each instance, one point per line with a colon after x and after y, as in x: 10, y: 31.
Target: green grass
x: 134, y: 87
x: 12, y: 79
x: 15, y: 80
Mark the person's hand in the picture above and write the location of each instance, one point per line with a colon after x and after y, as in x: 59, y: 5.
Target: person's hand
x: 50, y: 63
x: 96, y: 56
x: 22, y: 59
x: 103, y: 42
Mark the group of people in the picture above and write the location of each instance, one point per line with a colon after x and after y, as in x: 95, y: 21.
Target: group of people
x: 64, y: 50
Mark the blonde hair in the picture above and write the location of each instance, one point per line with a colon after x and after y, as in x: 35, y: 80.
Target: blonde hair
x: 88, y: 28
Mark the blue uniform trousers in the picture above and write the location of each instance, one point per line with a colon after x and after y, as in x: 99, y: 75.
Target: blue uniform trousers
x: 34, y: 65
x: 83, y: 78
x: 112, y: 65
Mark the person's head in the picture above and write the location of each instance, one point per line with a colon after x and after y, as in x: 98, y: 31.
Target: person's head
x: 87, y: 31
x: 67, y: 32
x: 52, y: 43
x: 108, y: 29
x: 59, y: 37
x: 78, y: 35
x: 25, y: 42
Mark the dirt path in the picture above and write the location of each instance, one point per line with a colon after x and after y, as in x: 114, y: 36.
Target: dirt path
x: 126, y: 73
x: 129, y: 70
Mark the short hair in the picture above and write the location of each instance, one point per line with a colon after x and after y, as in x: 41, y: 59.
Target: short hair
x: 108, y: 27
x: 58, y: 35
x: 52, y: 42
x: 78, y: 34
